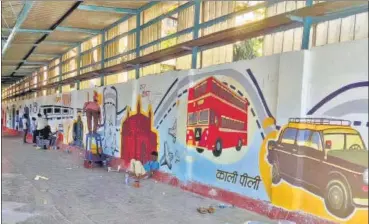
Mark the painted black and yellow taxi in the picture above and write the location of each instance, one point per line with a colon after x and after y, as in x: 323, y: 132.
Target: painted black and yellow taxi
x: 327, y: 157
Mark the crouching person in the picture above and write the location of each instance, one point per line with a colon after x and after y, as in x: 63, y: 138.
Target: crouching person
x: 138, y: 171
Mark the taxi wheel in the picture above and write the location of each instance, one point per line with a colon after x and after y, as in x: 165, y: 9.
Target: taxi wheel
x: 218, y: 148
x: 199, y: 150
x: 276, y: 177
x: 338, y: 199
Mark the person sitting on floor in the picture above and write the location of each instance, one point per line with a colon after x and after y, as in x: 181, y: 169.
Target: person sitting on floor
x: 47, y: 134
x: 139, y: 171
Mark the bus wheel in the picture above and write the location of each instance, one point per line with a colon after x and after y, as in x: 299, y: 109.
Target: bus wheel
x: 199, y: 150
x: 239, y: 145
x: 218, y: 148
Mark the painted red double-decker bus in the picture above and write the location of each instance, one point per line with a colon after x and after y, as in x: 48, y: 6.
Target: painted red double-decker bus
x: 217, y: 117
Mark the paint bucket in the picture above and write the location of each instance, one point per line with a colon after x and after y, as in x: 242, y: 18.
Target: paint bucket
x: 136, y: 184
x: 87, y: 164
x: 285, y: 222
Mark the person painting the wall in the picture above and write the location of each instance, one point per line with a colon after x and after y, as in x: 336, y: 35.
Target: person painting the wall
x: 41, y: 123
x: 49, y: 135
x: 78, y: 131
x: 138, y: 171
x: 25, y: 127
x: 33, y: 129
x: 92, y: 109
x: 17, y: 120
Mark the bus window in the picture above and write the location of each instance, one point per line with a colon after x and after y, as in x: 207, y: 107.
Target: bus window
x: 212, y: 118
x: 227, y: 96
x: 204, y: 117
x: 232, y: 124
x: 49, y: 110
x: 192, y: 119
x: 56, y: 110
x: 65, y: 111
x: 200, y: 90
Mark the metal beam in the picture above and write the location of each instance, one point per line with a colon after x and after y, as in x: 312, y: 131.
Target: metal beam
x: 18, y: 74
x: 24, y: 71
x: 11, y: 77
x: 46, y: 55
x: 28, y: 30
x: 59, y: 28
x: 24, y: 62
x: 79, y: 30
x: 47, y: 43
x: 341, y: 14
x: 307, y: 27
x: 21, y: 17
x: 95, y: 8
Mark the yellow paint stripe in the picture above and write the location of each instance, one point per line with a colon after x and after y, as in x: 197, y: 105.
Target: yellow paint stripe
x: 268, y: 122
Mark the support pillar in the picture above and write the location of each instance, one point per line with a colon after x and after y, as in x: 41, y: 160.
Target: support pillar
x: 196, y: 28
x: 78, y: 65
x: 306, y: 30
x: 138, y: 41
x: 102, y: 78
x: 60, y: 74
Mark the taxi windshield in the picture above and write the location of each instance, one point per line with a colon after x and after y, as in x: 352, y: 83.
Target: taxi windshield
x: 342, y: 141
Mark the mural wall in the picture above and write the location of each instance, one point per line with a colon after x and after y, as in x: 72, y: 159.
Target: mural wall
x: 291, y: 129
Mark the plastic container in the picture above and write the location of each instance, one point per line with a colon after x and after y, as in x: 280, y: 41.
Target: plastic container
x: 126, y: 180
x: 136, y: 184
x: 254, y: 222
x: 285, y: 222
x: 225, y: 206
x: 279, y: 222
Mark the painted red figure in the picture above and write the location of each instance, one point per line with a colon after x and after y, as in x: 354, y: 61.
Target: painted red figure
x: 92, y: 109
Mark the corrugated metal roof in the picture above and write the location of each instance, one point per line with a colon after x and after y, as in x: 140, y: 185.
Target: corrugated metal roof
x: 91, y: 20
x: 50, y: 49
x: 7, y: 70
x: 117, y: 4
x: 10, y: 11
x: 67, y: 36
x: 45, y: 13
x: 37, y: 58
x: 27, y: 37
x: 17, y: 52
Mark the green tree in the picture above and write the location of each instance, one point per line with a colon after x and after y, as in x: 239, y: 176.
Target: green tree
x: 248, y: 49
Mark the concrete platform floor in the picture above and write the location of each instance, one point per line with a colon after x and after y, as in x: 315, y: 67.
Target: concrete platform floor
x: 73, y: 194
